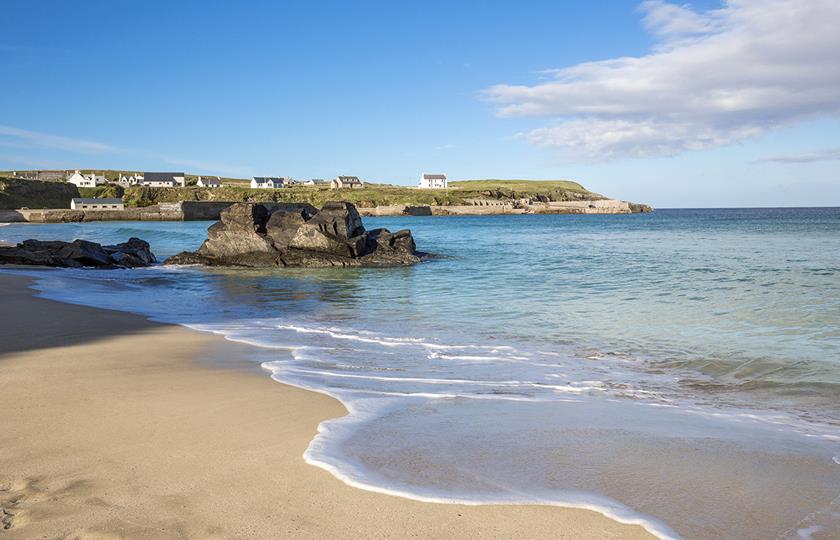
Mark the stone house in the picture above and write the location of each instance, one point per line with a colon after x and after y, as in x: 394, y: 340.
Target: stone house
x: 346, y: 182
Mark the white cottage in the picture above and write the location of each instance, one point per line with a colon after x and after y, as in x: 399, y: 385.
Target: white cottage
x: 130, y: 180
x: 269, y: 182
x: 163, y: 179
x: 82, y: 180
x: 433, y: 181
x: 209, y: 182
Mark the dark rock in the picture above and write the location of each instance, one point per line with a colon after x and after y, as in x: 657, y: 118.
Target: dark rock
x: 78, y: 253
x: 245, y: 216
x: 135, y: 252
x: 310, y: 237
x: 282, y: 226
x: 339, y: 218
x: 257, y: 235
x: 637, y: 208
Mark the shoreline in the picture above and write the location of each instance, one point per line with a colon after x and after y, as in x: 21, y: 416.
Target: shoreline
x: 209, y: 210
x: 125, y: 428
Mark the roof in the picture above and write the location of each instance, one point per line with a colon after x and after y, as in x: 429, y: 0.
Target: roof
x: 97, y: 201
x: 210, y: 179
x: 264, y: 179
x: 158, y: 176
x: 349, y: 179
x: 434, y: 176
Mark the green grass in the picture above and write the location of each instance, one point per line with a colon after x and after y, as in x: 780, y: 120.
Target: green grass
x: 17, y: 193
x: 372, y: 195
x: 238, y: 190
x: 522, y: 186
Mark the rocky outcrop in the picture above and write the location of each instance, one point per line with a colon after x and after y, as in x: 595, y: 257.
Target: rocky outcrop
x: 79, y: 253
x: 258, y: 235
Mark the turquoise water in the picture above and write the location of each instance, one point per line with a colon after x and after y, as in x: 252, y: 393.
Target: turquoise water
x: 614, y: 362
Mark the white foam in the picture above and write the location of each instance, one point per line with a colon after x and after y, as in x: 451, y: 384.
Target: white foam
x: 315, y: 455
x: 365, y: 404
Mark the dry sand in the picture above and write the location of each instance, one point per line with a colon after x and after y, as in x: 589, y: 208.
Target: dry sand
x: 113, y: 427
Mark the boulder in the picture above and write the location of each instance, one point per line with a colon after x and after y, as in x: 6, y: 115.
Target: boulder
x: 338, y: 218
x: 282, y: 226
x: 79, y: 253
x: 257, y: 235
x: 134, y: 253
x: 224, y: 240
x: 310, y: 237
x: 245, y: 216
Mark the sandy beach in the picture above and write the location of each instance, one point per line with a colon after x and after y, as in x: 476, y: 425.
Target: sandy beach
x: 116, y: 427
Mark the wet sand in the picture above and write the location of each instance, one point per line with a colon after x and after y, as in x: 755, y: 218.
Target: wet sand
x: 114, y: 426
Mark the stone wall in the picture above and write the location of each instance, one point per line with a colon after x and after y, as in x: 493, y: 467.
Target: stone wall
x: 604, y: 206
x: 210, y: 210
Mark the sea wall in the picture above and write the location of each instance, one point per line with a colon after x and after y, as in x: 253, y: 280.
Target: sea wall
x: 151, y: 213
x: 603, y: 206
x: 182, y: 211
x: 210, y: 210
x: 481, y: 207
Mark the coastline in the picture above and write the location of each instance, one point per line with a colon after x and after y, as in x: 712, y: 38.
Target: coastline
x: 209, y: 210
x: 124, y: 427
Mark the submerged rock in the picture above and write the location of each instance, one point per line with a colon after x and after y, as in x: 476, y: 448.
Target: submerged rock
x: 257, y: 235
x: 78, y: 253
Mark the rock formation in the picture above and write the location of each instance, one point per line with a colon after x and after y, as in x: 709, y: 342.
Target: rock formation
x: 266, y: 235
x: 78, y: 253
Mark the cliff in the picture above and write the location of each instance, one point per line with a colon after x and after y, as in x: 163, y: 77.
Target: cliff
x: 16, y: 193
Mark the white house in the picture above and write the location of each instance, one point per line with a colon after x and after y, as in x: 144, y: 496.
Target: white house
x: 163, y: 179
x: 433, y: 181
x: 131, y: 180
x: 209, y: 182
x: 347, y: 182
x: 96, y: 204
x: 269, y: 182
x: 315, y: 182
x: 82, y: 180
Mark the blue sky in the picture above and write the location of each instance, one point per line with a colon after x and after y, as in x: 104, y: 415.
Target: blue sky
x: 711, y: 104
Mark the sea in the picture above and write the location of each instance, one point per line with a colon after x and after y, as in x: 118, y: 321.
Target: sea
x: 678, y: 369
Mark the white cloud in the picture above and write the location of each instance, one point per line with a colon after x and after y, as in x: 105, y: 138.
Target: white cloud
x: 714, y: 78
x: 830, y: 154
x: 671, y: 20
x: 21, y: 138
x: 13, y: 137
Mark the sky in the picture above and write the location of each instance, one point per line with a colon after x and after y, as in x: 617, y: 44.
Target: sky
x: 701, y: 104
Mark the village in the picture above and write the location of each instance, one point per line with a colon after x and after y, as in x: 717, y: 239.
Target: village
x: 179, y: 180
x: 49, y: 196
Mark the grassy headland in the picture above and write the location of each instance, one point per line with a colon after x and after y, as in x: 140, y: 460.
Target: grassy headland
x: 15, y: 193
